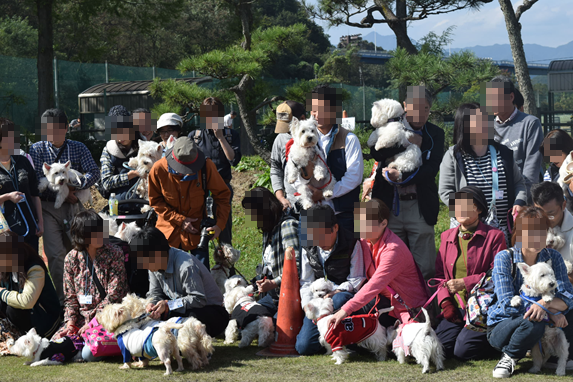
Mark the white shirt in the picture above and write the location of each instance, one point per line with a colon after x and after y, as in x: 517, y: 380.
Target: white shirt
x: 354, y: 166
x: 353, y: 282
x: 567, y: 232
x: 228, y: 121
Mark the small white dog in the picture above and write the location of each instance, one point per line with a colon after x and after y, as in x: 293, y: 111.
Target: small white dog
x: 555, y: 238
x: 393, y: 129
x: 42, y: 352
x: 248, y: 318
x: 193, y: 341
x: 305, y: 150
x: 321, y: 287
x: 225, y: 259
x: 418, y: 340
x: 321, y: 309
x: 539, y: 281
x: 58, y: 177
x: 148, y: 153
x: 126, y: 232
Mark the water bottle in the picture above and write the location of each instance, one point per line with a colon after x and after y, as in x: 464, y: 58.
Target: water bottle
x: 113, y: 209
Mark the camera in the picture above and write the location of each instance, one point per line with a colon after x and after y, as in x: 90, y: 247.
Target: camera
x: 206, y: 236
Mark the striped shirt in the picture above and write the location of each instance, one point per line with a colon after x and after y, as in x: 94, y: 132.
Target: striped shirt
x: 478, y: 173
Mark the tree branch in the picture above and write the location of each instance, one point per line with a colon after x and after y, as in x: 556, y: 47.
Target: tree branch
x: 267, y: 101
x: 524, y: 7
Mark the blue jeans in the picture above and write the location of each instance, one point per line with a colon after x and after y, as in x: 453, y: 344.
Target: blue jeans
x: 307, y: 342
x: 88, y: 356
x: 515, y: 336
x: 462, y: 343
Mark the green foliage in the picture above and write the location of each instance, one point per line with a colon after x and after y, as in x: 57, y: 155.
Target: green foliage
x: 435, y: 44
x: 339, y: 65
x: 264, y: 179
x: 251, y: 163
x: 17, y: 37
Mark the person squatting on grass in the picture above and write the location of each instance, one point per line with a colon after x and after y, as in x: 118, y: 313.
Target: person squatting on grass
x: 279, y: 231
x: 27, y: 296
x: 179, y: 284
x: 94, y: 276
x: 55, y: 148
x: 331, y: 252
x: 418, y: 202
x: 390, y: 269
x: 514, y: 330
x: 466, y: 253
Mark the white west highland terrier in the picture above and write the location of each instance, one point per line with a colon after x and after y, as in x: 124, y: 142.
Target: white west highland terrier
x: 148, y: 153
x: 321, y: 287
x: 239, y: 298
x: 126, y: 232
x: 321, y: 309
x: 58, y: 177
x: 555, y: 238
x: 539, y: 281
x: 393, y: 129
x: 40, y: 351
x: 305, y: 150
x: 419, y: 341
x: 224, y: 261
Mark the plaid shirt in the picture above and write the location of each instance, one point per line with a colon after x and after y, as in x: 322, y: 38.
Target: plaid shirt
x: 284, y: 235
x: 505, y: 288
x: 76, y: 152
x: 110, y: 177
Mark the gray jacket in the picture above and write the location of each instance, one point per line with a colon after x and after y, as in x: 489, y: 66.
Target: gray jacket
x: 185, y: 278
x: 278, y: 166
x: 452, y: 177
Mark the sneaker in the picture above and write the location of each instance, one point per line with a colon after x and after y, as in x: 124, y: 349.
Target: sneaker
x: 552, y: 364
x: 505, y: 367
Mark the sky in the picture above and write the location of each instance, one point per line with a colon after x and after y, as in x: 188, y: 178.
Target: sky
x: 547, y: 23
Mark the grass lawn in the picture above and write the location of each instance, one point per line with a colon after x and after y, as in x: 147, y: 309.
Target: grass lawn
x: 231, y: 364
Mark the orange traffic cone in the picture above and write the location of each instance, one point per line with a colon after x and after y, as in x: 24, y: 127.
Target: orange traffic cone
x: 289, y: 318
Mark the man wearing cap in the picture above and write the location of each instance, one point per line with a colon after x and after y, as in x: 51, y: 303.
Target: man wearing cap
x: 169, y: 124
x: 284, y: 191
x: 220, y: 144
x: 176, y: 192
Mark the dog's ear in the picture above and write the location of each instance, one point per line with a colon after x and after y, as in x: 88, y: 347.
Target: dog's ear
x: 550, y: 263
x: 140, y: 142
x: 67, y: 164
x: 524, y: 268
x: 47, y: 167
x: 32, y: 331
x: 293, y: 124
x: 119, y: 312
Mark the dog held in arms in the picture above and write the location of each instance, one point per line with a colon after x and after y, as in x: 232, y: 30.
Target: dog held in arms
x: 539, y: 282
x: 418, y: 340
x: 255, y: 319
x: 304, y: 151
x: 58, y: 177
x: 392, y: 129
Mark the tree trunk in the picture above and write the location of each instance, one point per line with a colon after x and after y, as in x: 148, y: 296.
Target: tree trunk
x: 45, y: 62
x: 249, y: 123
x: 400, y: 29
x: 521, y: 70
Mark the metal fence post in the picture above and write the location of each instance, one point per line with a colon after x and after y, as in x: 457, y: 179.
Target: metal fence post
x: 56, y: 82
x: 106, y: 73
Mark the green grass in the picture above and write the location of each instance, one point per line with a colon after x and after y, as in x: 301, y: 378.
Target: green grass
x: 230, y: 363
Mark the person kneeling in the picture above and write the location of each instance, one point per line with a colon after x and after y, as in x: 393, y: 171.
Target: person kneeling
x: 179, y: 284
x: 333, y: 253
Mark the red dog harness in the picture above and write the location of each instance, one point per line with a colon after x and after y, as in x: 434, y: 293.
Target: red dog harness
x: 351, y: 330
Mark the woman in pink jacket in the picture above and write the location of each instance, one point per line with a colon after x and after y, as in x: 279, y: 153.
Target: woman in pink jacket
x: 466, y: 254
x: 389, y: 267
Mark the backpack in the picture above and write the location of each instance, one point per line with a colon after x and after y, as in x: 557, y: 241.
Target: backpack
x: 481, y: 297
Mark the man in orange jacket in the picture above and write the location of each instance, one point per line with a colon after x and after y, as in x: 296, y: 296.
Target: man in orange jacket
x: 177, y: 194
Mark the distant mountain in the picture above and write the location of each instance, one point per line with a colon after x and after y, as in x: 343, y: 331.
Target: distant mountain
x: 533, y: 52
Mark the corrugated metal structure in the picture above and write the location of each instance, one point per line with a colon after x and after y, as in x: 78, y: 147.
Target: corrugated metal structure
x: 131, y: 94
x: 560, y: 76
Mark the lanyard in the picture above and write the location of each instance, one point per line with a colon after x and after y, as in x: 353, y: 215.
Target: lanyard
x: 88, y: 289
x: 54, y: 153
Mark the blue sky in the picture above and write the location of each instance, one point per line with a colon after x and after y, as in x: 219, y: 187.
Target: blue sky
x: 547, y: 23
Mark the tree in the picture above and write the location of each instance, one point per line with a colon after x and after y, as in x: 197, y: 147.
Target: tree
x: 17, y: 37
x: 395, y: 13
x: 513, y: 27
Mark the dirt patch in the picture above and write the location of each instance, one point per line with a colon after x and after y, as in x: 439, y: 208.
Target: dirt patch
x: 98, y: 201
x: 241, y: 182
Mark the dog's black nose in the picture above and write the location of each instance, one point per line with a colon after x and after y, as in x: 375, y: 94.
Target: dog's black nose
x: 552, y: 285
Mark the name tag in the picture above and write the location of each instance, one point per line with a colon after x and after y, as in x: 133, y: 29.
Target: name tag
x: 175, y: 304
x: 85, y: 299
x: 499, y: 194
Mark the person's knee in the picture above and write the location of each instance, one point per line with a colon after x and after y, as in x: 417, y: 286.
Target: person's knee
x: 306, y: 346
x: 532, y: 328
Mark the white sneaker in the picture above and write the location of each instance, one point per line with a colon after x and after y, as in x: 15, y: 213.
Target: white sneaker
x: 505, y: 367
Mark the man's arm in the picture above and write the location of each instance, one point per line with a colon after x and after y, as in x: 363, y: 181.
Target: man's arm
x: 427, y: 172
x: 155, y: 292
x: 354, y: 167
x: 357, y: 274
x: 533, y: 158
x: 221, y: 194
x: 157, y: 200
x: 193, y: 289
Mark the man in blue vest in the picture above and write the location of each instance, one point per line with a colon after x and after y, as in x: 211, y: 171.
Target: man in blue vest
x: 343, y: 154
x: 331, y: 252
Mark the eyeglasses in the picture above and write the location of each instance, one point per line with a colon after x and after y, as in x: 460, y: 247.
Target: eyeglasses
x: 165, y: 132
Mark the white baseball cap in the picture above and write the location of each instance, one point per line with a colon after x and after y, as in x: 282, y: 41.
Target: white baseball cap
x: 169, y: 119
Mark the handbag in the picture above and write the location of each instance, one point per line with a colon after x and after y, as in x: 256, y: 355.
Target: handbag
x: 100, y: 341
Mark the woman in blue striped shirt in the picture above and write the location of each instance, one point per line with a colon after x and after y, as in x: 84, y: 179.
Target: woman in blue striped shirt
x: 515, y: 330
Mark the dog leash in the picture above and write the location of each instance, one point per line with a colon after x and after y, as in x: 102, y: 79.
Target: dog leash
x: 530, y: 300
x: 396, y: 198
x: 442, y: 284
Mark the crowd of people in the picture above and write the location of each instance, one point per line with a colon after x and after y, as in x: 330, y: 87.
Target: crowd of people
x: 378, y: 251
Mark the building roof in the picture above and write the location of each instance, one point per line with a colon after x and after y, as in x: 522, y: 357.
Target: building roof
x: 561, y: 65
x: 131, y: 87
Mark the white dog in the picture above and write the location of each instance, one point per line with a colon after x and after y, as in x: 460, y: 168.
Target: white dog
x: 393, y: 129
x: 193, y: 341
x: 225, y: 259
x: 321, y: 309
x: 248, y: 318
x: 555, y: 238
x: 42, y: 352
x: 418, y: 340
x: 148, y: 153
x: 539, y: 281
x: 305, y: 150
x: 126, y: 232
x: 58, y: 177
x: 321, y: 287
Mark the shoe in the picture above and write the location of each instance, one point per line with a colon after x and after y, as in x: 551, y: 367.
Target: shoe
x: 552, y: 364
x: 505, y: 367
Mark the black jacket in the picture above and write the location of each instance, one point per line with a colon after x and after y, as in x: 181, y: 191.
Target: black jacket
x: 425, y: 180
x: 209, y: 144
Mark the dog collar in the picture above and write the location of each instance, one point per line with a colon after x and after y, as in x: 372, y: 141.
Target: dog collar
x: 36, y: 351
x: 320, y: 318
